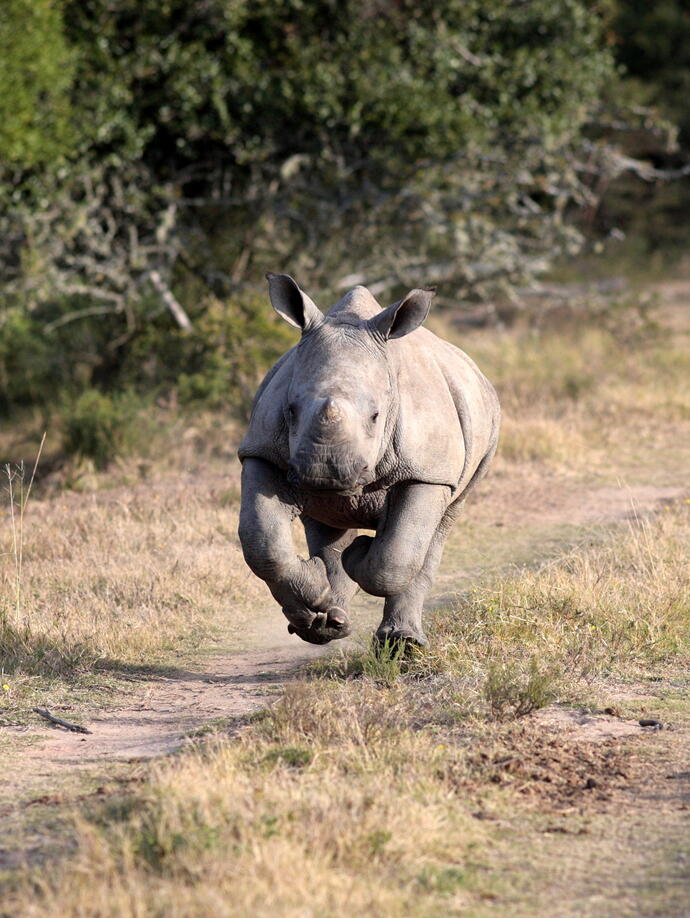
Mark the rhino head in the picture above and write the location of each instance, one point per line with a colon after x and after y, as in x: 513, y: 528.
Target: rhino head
x: 342, y: 402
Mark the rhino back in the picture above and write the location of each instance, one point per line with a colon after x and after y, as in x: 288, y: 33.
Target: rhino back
x: 449, y: 414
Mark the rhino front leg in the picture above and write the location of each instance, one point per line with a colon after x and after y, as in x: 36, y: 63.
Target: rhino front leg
x: 394, y: 563
x: 300, y: 587
x: 402, y: 613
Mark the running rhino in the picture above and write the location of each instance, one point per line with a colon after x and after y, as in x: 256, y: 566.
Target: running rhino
x: 369, y: 422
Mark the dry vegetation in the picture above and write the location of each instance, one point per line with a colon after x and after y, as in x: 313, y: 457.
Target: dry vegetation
x: 589, y: 385
x: 134, y: 573
x: 377, y: 786
x: 369, y: 785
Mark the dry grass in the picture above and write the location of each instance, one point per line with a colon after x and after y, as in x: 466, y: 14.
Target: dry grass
x: 612, y: 609
x: 620, y: 604
x: 360, y: 791
x: 366, y: 788
x: 128, y: 576
x: 572, y: 392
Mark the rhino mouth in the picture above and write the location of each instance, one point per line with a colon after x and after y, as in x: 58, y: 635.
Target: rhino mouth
x: 327, y: 486
x: 328, y: 476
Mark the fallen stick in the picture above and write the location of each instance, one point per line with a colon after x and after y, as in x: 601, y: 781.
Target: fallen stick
x: 75, y: 728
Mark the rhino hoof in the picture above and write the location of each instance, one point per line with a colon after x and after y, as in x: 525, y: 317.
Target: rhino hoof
x: 324, y: 627
x: 403, y: 640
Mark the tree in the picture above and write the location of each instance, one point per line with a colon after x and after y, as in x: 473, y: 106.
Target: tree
x: 35, y: 75
x: 652, y: 42
x: 391, y: 142
x: 651, y: 47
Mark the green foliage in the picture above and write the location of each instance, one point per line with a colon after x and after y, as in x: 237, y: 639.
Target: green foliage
x: 211, y: 141
x: 383, y: 83
x: 653, y: 44
x: 99, y: 427
x: 292, y: 756
x: 394, y: 138
x: 24, y: 361
x: 36, y: 67
x: 220, y: 362
x: 41, y: 359
x: 512, y: 690
x: 442, y: 880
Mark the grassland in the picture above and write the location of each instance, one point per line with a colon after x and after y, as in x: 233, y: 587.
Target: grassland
x: 450, y: 783
x: 395, y: 787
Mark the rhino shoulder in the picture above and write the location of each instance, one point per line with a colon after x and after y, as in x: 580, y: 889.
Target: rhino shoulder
x: 267, y: 433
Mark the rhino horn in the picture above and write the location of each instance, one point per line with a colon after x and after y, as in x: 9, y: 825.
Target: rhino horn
x: 331, y: 413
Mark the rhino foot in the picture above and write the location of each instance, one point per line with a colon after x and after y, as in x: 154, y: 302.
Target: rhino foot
x: 406, y: 639
x: 324, y: 627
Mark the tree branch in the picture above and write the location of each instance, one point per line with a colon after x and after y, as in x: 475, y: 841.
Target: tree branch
x: 173, y: 305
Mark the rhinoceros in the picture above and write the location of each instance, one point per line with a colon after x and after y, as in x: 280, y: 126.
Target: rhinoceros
x: 368, y: 422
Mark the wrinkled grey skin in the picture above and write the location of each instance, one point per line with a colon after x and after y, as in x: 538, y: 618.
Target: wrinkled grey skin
x: 369, y: 422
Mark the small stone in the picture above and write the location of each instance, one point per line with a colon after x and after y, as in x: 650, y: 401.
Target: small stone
x: 590, y: 783
x: 650, y: 722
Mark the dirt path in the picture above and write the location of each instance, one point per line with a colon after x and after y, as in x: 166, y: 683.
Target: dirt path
x: 168, y: 708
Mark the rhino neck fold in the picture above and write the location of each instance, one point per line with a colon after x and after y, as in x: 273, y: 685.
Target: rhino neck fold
x: 387, y: 452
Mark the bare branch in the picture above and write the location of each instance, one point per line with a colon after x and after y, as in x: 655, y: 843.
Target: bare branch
x: 168, y: 298
x: 76, y: 315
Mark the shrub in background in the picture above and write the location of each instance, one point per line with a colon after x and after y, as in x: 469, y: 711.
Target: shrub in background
x: 100, y: 427
x: 24, y: 361
x: 220, y: 362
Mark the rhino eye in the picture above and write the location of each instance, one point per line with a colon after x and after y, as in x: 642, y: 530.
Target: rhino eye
x: 374, y: 417
x: 292, y: 412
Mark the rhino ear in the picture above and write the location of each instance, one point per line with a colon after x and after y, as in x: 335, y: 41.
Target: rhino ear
x: 403, y: 317
x: 292, y: 303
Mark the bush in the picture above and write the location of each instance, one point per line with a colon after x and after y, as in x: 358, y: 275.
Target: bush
x: 99, y: 427
x: 24, y: 361
x: 43, y: 357
x: 401, y: 140
x: 220, y: 363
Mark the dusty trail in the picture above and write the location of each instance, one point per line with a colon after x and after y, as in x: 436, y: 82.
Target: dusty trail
x: 167, y: 708
x: 174, y: 706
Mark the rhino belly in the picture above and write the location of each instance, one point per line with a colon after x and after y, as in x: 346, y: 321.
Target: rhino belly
x: 345, y: 511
